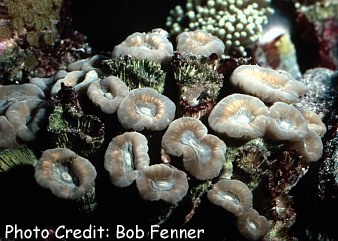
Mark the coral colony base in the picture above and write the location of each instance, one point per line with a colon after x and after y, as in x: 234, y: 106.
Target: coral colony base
x: 214, y: 135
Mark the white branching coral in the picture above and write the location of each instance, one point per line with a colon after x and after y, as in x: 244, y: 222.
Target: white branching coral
x: 238, y: 23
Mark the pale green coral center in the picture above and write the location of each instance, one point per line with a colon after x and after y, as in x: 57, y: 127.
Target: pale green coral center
x: 242, y: 116
x: 62, y: 175
x: 285, y: 123
x: 229, y: 196
x: 127, y: 157
x: 163, y: 185
x: 145, y: 109
x: 252, y: 226
x: 66, y: 177
x: 202, y: 151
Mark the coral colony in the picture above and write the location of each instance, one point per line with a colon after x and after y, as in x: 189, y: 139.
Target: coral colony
x: 207, y: 136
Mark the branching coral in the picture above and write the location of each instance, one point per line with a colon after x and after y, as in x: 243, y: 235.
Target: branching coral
x: 13, y: 157
x: 69, y: 127
x: 198, y: 81
x: 204, y: 156
x: 136, y: 73
x: 238, y: 23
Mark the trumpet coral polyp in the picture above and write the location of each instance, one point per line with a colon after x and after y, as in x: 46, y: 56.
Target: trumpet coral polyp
x: 107, y: 93
x: 125, y: 156
x: 26, y: 117
x: 202, y: 153
x: 314, y: 121
x: 145, y: 108
x: 287, y: 123
x: 199, y: 42
x: 160, y: 181
x: 66, y: 174
x: 239, y: 116
x: 8, y: 136
x: 267, y: 84
x: 232, y: 195
x: 252, y: 225
x: 311, y: 147
x: 153, y: 46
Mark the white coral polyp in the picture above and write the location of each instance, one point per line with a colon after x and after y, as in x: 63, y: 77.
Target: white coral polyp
x: 199, y: 42
x: 153, y: 46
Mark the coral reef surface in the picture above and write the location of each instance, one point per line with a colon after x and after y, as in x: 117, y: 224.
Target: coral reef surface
x: 209, y: 123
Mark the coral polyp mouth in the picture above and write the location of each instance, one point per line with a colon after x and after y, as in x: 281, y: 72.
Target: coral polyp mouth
x: 285, y: 123
x: 230, y: 197
x: 163, y: 185
x: 66, y: 177
x: 145, y: 109
x: 242, y: 116
x: 64, y: 173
